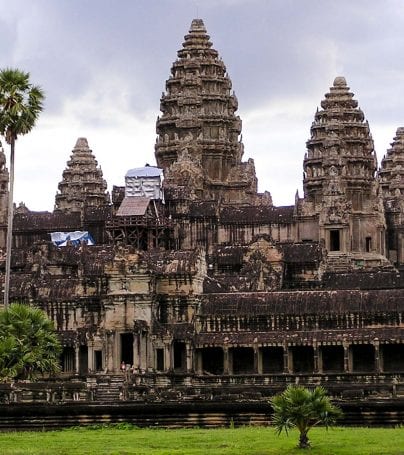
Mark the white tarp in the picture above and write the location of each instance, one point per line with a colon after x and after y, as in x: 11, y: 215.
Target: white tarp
x: 71, y: 238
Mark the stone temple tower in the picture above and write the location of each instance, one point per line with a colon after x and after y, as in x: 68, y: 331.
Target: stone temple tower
x: 392, y: 187
x: 198, y: 144
x: 340, y: 184
x: 83, y: 185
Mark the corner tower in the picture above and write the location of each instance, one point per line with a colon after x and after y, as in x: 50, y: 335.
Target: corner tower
x: 83, y: 185
x: 198, y: 144
x: 392, y: 187
x: 340, y: 185
x: 340, y: 153
x: 392, y: 169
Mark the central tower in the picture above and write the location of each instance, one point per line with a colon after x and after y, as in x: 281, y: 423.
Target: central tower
x: 198, y: 145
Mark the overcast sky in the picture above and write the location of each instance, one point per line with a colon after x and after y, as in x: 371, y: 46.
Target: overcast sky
x: 103, y: 66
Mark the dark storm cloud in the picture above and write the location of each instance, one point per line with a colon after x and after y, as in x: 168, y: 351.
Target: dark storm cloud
x: 271, y: 48
x: 103, y: 65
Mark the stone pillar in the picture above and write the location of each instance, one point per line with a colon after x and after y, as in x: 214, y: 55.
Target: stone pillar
x: 316, y: 356
x: 76, y: 358
x: 198, y: 361
x: 259, y: 360
x: 226, y: 360
x: 381, y: 357
x: 376, y: 345
x: 189, y: 356
x: 116, y: 349
x: 347, y: 358
x: 167, y: 355
x: 320, y: 359
x: 287, y: 359
x: 137, y: 350
x: 91, y: 356
x: 149, y: 352
x: 143, y: 351
x: 109, y: 351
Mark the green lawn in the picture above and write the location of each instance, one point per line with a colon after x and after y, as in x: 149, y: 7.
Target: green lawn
x: 243, y: 441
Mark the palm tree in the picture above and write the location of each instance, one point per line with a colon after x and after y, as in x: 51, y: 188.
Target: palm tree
x: 302, y: 408
x: 29, y: 345
x: 20, y: 106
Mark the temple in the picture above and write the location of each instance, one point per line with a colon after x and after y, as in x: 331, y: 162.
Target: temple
x: 198, y: 283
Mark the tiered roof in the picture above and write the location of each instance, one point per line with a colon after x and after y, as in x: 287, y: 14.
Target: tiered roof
x: 199, y: 119
x: 392, y: 167
x: 340, y: 149
x: 83, y: 184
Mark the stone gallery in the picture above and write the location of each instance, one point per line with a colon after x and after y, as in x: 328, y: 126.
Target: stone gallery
x: 195, y: 284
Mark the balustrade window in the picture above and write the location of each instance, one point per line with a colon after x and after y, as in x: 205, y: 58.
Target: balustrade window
x: 303, y: 359
x: 272, y: 359
x: 332, y: 358
x: 212, y: 360
x: 363, y: 357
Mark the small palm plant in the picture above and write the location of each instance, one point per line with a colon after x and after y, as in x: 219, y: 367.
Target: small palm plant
x: 29, y: 345
x: 301, y: 408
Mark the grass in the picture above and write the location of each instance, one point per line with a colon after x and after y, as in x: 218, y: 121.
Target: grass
x: 242, y: 441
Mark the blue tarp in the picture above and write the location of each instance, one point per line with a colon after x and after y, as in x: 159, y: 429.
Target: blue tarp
x: 75, y: 238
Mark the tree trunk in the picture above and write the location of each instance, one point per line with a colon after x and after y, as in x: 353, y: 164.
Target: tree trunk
x: 9, y: 226
x: 304, y: 442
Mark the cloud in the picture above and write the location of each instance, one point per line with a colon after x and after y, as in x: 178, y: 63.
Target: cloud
x: 103, y: 66
x: 118, y: 138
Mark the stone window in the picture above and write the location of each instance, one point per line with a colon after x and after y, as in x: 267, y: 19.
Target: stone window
x: 393, y: 357
x: 212, y: 360
x: 68, y: 359
x: 242, y: 360
x: 162, y: 312
x: 332, y: 358
x: 363, y: 357
x: 272, y: 359
x: 302, y: 359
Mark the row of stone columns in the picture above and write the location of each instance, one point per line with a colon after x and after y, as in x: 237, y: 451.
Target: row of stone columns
x: 290, y: 361
x: 144, y: 358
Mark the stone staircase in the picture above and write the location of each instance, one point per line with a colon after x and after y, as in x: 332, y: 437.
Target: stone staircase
x: 346, y: 262
x: 338, y: 262
x: 109, y: 388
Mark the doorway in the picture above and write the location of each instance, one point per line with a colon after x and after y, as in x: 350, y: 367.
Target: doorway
x: 83, y: 360
x: 335, y: 240
x: 127, y: 348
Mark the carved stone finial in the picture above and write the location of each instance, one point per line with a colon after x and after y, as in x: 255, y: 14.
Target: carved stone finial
x: 197, y: 25
x: 81, y: 143
x: 339, y: 81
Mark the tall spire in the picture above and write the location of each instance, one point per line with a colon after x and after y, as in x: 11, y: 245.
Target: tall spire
x: 340, y: 153
x: 392, y: 168
x: 82, y: 185
x: 199, y: 120
x: 340, y: 185
x: 196, y: 40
